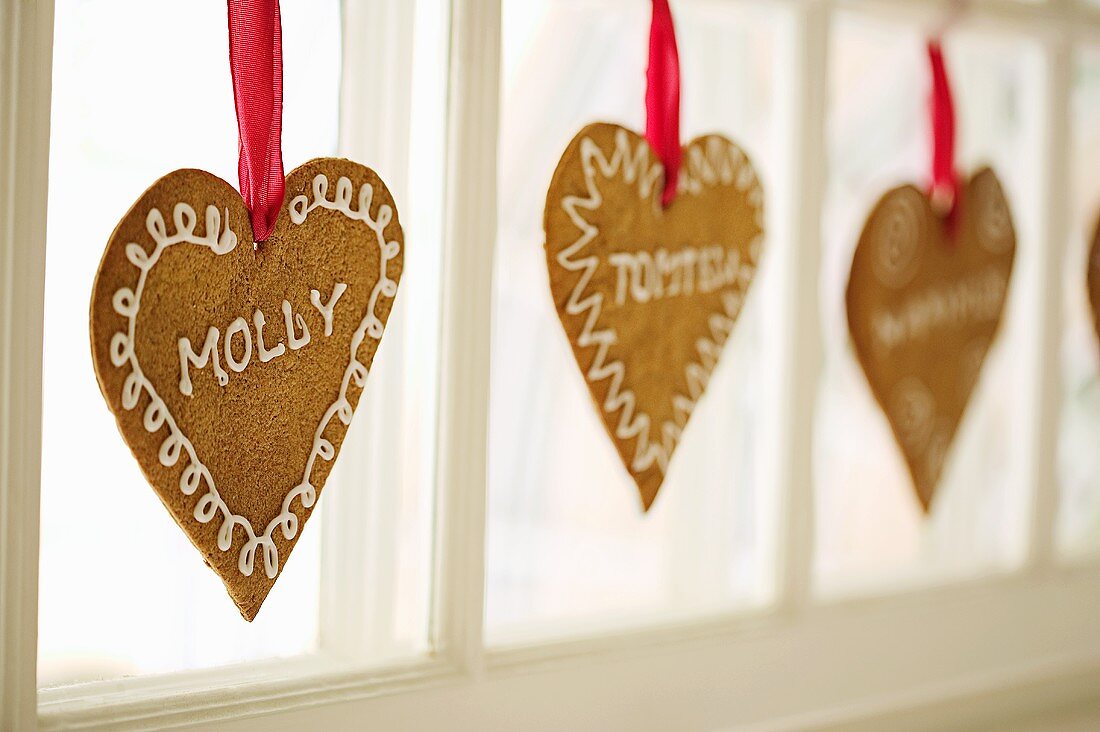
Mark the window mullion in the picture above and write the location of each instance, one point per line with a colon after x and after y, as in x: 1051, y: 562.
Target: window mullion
x: 469, y: 236
x: 26, y: 45
x: 796, y: 247
x: 1052, y: 195
x: 358, y: 581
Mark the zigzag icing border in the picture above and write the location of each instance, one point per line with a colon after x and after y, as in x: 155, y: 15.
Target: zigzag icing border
x: 708, y: 162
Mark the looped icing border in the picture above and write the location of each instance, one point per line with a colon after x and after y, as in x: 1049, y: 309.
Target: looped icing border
x: 127, y: 302
x: 708, y: 162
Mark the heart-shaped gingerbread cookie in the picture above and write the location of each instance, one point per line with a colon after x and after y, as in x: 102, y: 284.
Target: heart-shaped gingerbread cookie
x: 234, y: 369
x: 923, y: 309
x: 1092, y: 277
x: 648, y: 295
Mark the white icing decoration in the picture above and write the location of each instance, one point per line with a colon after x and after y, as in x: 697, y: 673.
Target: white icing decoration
x: 978, y: 298
x: 188, y: 356
x: 290, y: 318
x: 898, y: 232
x: 240, y: 325
x: 326, y: 308
x: 266, y: 354
x: 706, y: 163
x: 914, y: 408
x: 994, y: 221
x: 936, y: 454
x: 664, y: 274
x: 127, y: 302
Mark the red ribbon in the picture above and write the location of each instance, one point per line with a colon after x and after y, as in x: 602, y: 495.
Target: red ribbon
x: 662, y: 96
x: 256, y: 61
x: 944, y: 186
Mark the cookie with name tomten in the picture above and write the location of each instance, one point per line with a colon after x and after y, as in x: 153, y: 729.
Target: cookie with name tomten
x: 233, y: 370
x: 923, y: 309
x: 648, y: 295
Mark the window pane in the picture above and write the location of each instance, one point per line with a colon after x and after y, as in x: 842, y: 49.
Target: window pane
x: 141, y: 89
x: 568, y: 543
x: 870, y: 528
x: 378, y: 535
x: 1078, y: 458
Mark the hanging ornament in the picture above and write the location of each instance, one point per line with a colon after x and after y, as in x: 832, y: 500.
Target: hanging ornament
x: 1093, y: 278
x: 651, y: 249
x: 232, y: 333
x: 927, y: 292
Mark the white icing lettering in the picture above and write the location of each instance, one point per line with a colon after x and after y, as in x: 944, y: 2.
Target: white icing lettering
x: 292, y: 341
x: 266, y: 354
x: 240, y: 325
x: 237, y: 344
x: 209, y: 353
x: 976, y: 299
x: 645, y: 276
x: 326, y: 308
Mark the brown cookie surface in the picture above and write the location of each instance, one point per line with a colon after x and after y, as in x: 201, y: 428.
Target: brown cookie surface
x: 234, y: 370
x: 923, y: 309
x: 648, y: 295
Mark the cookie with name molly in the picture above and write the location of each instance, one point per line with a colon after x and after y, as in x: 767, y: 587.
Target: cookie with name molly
x: 924, y: 306
x: 234, y: 368
x: 647, y: 294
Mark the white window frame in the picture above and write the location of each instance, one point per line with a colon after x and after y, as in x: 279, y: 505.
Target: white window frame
x: 985, y: 650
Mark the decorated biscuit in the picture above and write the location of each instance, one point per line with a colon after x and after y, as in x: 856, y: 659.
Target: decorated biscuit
x: 925, y: 298
x: 648, y: 294
x: 234, y: 368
